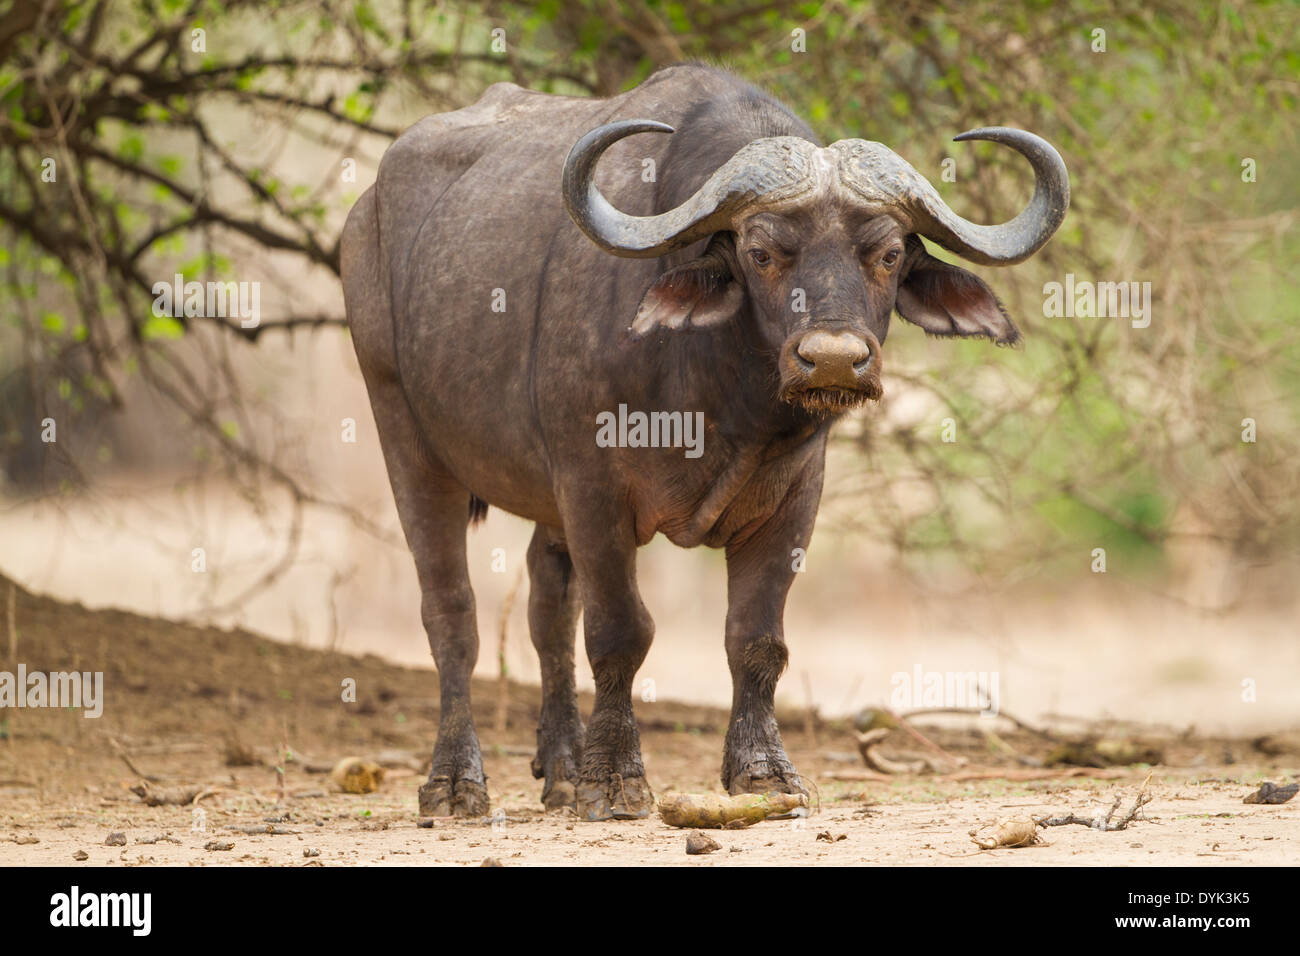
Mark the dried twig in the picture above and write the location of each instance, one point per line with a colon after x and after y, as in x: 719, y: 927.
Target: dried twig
x: 503, y: 677
x: 11, y: 620
x: 182, y: 796
x: 810, y: 712
x: 1108, y: 823
x: 976, y: 712
x: 126, y: 759
x: 879, y: 762
x: 922, y: 737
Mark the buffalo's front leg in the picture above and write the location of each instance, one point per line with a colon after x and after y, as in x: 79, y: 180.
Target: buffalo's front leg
x: 618, y: 631
x: 759, y: 573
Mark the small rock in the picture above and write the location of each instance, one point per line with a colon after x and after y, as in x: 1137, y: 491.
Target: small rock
x: 491, y: 861
x: 116, y: 839
x: 309, y: 852
x: 81, y: 856
x: 218, y: 845
x: 699, y: 842
x: 1272, y: 793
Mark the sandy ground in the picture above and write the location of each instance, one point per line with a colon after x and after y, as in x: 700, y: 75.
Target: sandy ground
x: 1192, y: 821
x: 182, y: 701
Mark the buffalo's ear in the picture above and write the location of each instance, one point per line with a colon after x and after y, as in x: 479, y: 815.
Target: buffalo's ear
x: 945, y: 300
x: 697, y: 294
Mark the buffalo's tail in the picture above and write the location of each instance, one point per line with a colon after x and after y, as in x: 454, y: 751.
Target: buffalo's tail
x: 478, y: 509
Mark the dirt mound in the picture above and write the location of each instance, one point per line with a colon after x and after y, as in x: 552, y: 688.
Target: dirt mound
x: 169, y: 679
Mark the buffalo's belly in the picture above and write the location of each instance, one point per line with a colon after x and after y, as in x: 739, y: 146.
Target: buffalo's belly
x: 483, y: 442
x: 470, y: 395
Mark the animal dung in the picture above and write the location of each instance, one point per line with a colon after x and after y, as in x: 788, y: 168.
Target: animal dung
x: 354, y: 775
x: 716, y: 811
x: 1012, y: 832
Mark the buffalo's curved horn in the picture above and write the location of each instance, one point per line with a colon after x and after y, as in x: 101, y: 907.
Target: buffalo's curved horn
x: 880, y: 175
x: 773, y: 168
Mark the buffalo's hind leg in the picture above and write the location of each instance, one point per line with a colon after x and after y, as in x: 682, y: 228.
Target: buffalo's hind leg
x: 553, y: 607
x: 434, y: 510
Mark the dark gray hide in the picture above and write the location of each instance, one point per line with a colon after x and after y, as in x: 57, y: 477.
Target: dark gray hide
x: 503, y: 405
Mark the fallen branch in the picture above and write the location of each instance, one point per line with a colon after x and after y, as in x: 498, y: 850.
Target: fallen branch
x: 1021, y: 774
x: 876, y: 761
x: 902, y: 722
x: 853, y: 776
x: 965, y: 776
x: 126, y: 759
x: 1108, y: 823
x: 167, y: 796
x: 189, y: 795
x: 879, y: 762
x: 979, y: 712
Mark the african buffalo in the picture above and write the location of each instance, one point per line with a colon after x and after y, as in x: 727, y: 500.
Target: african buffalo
x: 754, y: 281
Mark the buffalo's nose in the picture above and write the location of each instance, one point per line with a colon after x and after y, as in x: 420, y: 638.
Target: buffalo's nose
x: 836, y: 358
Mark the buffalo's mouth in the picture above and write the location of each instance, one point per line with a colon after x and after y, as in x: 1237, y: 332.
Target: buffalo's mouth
x: 832, y: 401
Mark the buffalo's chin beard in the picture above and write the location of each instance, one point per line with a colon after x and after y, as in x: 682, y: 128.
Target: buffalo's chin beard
x: 830, y: 402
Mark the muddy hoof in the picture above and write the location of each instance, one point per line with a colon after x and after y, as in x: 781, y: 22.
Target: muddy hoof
x: 615, y: 798
x: 760, y: 779
x: 560, y: 794
x: 443, y: 797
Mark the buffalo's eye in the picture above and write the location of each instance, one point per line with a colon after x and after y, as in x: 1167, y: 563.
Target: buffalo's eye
x: 890, y: 259
x: 760, y: 256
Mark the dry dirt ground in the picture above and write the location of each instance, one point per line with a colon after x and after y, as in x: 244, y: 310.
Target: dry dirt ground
x: 253, y: 720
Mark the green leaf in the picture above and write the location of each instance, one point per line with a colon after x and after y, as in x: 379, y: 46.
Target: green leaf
x: 161, y: 327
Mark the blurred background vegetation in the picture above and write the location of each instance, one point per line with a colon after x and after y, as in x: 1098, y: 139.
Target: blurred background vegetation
x: 222, y: 154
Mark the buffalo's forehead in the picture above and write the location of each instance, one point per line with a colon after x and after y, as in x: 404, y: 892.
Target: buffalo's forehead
x: 824, y: 210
